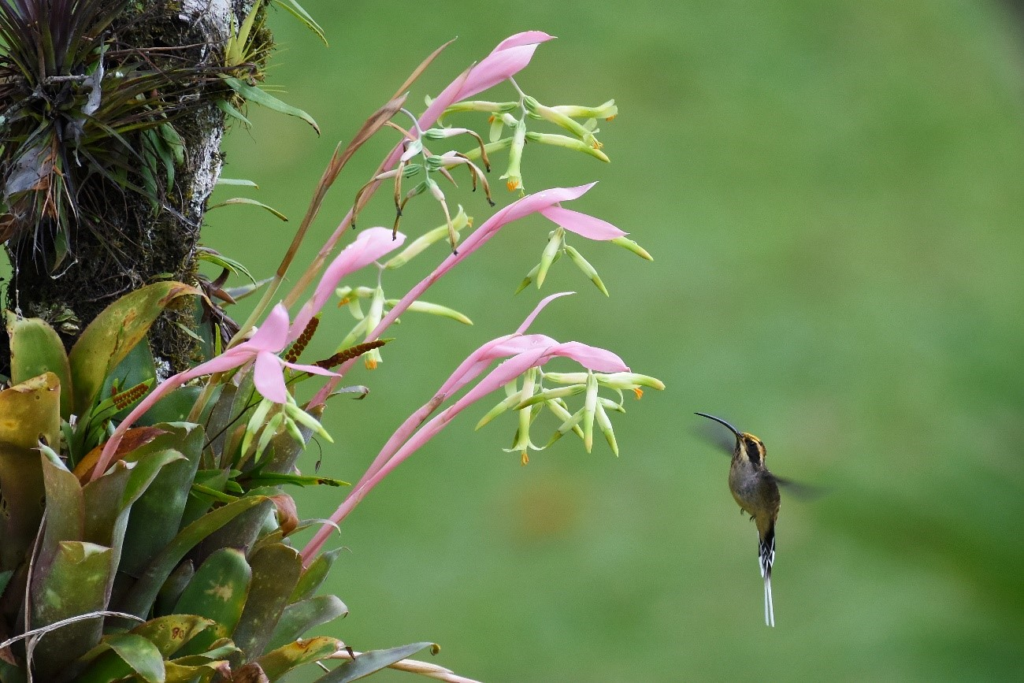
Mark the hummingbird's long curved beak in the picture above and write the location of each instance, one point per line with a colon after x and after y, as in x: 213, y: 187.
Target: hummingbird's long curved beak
x: 721, y: 421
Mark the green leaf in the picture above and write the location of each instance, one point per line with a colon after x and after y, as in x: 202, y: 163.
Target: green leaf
x: 302, y: 616
x: 140, y: 654
x: 156, y: 516
x: 314, y: 575
x: 219, y: 259
x: 302, y: 15
x: 372, y: 662
x: 76, y: 584
x: 171, y: 632
x: 250, y: 202
x: 113, y: 333
x: 275, y: 572
x: 30, y: 410
x: 261, y: 97
x: 174, y: 407
x: 140, y: 598
x: 27, y: 411
x: 65, y: 507
x: 277, y: 663
x: 173, y: 587
x: 217, y: 592
x: 236, y: 181
x: 35, y: 349
x: 226, y: 107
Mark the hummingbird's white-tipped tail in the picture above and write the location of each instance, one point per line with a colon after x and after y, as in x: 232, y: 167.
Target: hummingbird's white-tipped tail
x: 769, y: 609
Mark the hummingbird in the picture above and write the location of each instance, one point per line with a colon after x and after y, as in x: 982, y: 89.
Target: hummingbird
x: 756, y: 490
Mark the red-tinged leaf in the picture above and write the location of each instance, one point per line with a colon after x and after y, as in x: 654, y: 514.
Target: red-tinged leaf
x: 133, y: 439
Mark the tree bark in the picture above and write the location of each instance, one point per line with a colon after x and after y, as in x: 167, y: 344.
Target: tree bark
x: 139, y: 241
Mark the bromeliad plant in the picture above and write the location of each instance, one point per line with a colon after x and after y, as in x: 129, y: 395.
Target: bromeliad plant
x: 146, y: 530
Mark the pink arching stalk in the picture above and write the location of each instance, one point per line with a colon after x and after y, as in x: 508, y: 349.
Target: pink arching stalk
x: 468, y: 370
x: 537, y: 202
x: 507, y: 59
x: 529, y: 351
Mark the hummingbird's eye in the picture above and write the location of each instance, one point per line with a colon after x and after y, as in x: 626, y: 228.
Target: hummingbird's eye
x: 754, y: 449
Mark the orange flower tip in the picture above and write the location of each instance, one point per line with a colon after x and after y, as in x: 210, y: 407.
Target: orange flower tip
x: 491, y: 118
x: 639, y: 393
x: 610, y: 118
x: 344, y: 302
x: 512, y: 185
x: 371, y: 364
x: 597, y: 145
x: 525, y: 459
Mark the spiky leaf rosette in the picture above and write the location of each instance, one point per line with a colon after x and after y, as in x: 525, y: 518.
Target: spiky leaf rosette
x: 87, y: 111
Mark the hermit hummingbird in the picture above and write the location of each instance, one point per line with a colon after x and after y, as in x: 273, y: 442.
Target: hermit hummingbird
x: 756, y: 490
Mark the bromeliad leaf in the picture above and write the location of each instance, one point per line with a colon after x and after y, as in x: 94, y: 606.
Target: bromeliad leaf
x: 295, y: 9
x: 115, y: 332
x: 251, y: 202
x: 35, y: 349
x: 253, y: 94
x: 219, y: 259
x: 371, y: 662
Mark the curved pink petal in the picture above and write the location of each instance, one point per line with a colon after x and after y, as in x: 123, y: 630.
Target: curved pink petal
x: 312, y: 369
x: 540, y: 307
x: 590, y: 357
x: 367, y: 247
x: 582, y: 224
x: 229, y: 360
x: 538, y: 201
x: 269, y: 377
x: 503, y: 374
x: 508, y: 58
x: 502, y: 347
x: 272, y: 335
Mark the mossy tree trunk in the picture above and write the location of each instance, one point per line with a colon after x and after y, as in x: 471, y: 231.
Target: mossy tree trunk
x: 121, y: 239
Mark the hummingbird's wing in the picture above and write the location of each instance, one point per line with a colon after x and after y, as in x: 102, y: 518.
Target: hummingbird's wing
x: 798, y: 490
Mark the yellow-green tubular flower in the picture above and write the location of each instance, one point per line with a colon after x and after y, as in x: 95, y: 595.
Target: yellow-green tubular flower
x: 589, y: 411
x: 632, y: 246
x: 480, y: 105
x: 561, y: 120
x: 513, y: 176
x: 606, y: 427
x: 588, y: 270
x: 547, y: 257
x: 418, y: 245
x: 306, y: 420
x: 490, y: 148
x: 606, y: 111
x: 268, y: 433
x: 568, y: 143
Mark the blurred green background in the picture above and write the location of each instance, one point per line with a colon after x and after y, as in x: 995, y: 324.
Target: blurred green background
x: 832, y: 192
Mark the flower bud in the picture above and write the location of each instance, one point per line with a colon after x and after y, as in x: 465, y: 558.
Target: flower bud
x: 561, y: 120
x: 513, y: 177
x: 632, y: 246
x: 568, y: 143
x: 587, y: 269
x: 550, y: 253
x: 480, y: 105
x: 606, y: 111
x: 416, y: 247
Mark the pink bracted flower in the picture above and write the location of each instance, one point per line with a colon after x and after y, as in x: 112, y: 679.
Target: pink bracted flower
x: 261, y: 350
x: 522, y: 352
x: 369, y: 246
x: 506, y: 60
